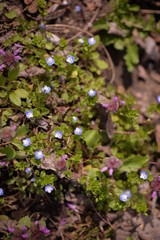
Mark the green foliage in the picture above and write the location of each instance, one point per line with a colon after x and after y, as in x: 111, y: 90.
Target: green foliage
x: 54, y: 111
x: 118, y: 29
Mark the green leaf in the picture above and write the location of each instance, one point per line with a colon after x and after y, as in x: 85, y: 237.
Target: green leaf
x: 49, y: 46
x: 22, y: 130
x: 25, y: 221
x: 119, y: 44
x: 101, y: 24
x: 14, y: 98
x: 21, y: 93
x: 92, y: 138
x: 133, y: 163
x: 13, y: 73
x: 9, y: 151
x: 101, y: 64
x: 11, y: 14
x: 131, y: 57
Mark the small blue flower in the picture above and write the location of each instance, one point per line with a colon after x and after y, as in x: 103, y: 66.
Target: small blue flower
x: 123, y: 197
x: 128, y: 193
x: 29, y: 114
x: 27, y: 170
x: 70, y: 59
x: 1, y: 192
x: 74, y: 119
x: 26, y: 142
x: 78, y: 131
x: 50, y: 61
x: 33, y: 179
x: 58, y: 134
x: 92, y: 93
x: 143, y: 175
x: 42, y: 25
x: 49, y: 188
x: 91, y: 41
x: 80, y: 40
x: 38, y: 155
x: 46, y: 89
x: 158, y: 99
x: 78, y: 8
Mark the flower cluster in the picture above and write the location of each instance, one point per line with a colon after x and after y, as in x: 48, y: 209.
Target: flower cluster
x: 35, y: 231
x: 113, y: 105
x: 9, y: 59
x: 155, y: 186
x: 125, y: 195
x: 111, y: 164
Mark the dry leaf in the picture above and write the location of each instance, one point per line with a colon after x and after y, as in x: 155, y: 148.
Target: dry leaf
x: 33, y: 7
x: 28, y: 2
x: 49, y: 163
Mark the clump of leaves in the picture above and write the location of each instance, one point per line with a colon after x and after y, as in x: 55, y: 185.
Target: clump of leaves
x: 119, y: 28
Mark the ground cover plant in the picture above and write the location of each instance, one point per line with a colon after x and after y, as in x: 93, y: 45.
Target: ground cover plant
x: 63, y: 125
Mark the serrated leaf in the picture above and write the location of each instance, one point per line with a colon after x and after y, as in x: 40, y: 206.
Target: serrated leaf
x: 119, y: 44
x: 21, y: 93
x: 133, y: 163
x: 22, y: 130
x: 92, y: 138
x: 13, y: 73
x: 49, y: 46
x: 9, y: 151
x: 11, y: 14
x: 101, y: 64
x: 25, y: 221
x: 15, y: 99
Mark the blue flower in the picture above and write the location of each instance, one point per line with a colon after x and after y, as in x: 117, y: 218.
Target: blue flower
x: 58, y: 134
x: 74, y: 119
x: 91, y: 41
x: 26, y: 142
x: 29, y: 114
x: 49, y: 188
x: 50, y: 61
x: 80, y: 40
x: 33, y: 179
x: 1, y: 192
x: 158, y: 99
x: 38, y: 155
x: 78, y: 8
x: 42, y: 25
x: 128, y: 193
x: 92, y: 93
x: 27, y: 170
x: 70, y: 59
x: 123, y: 197
x: 46, y: 89
x: 143, y: 175
x: 78, y: 131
